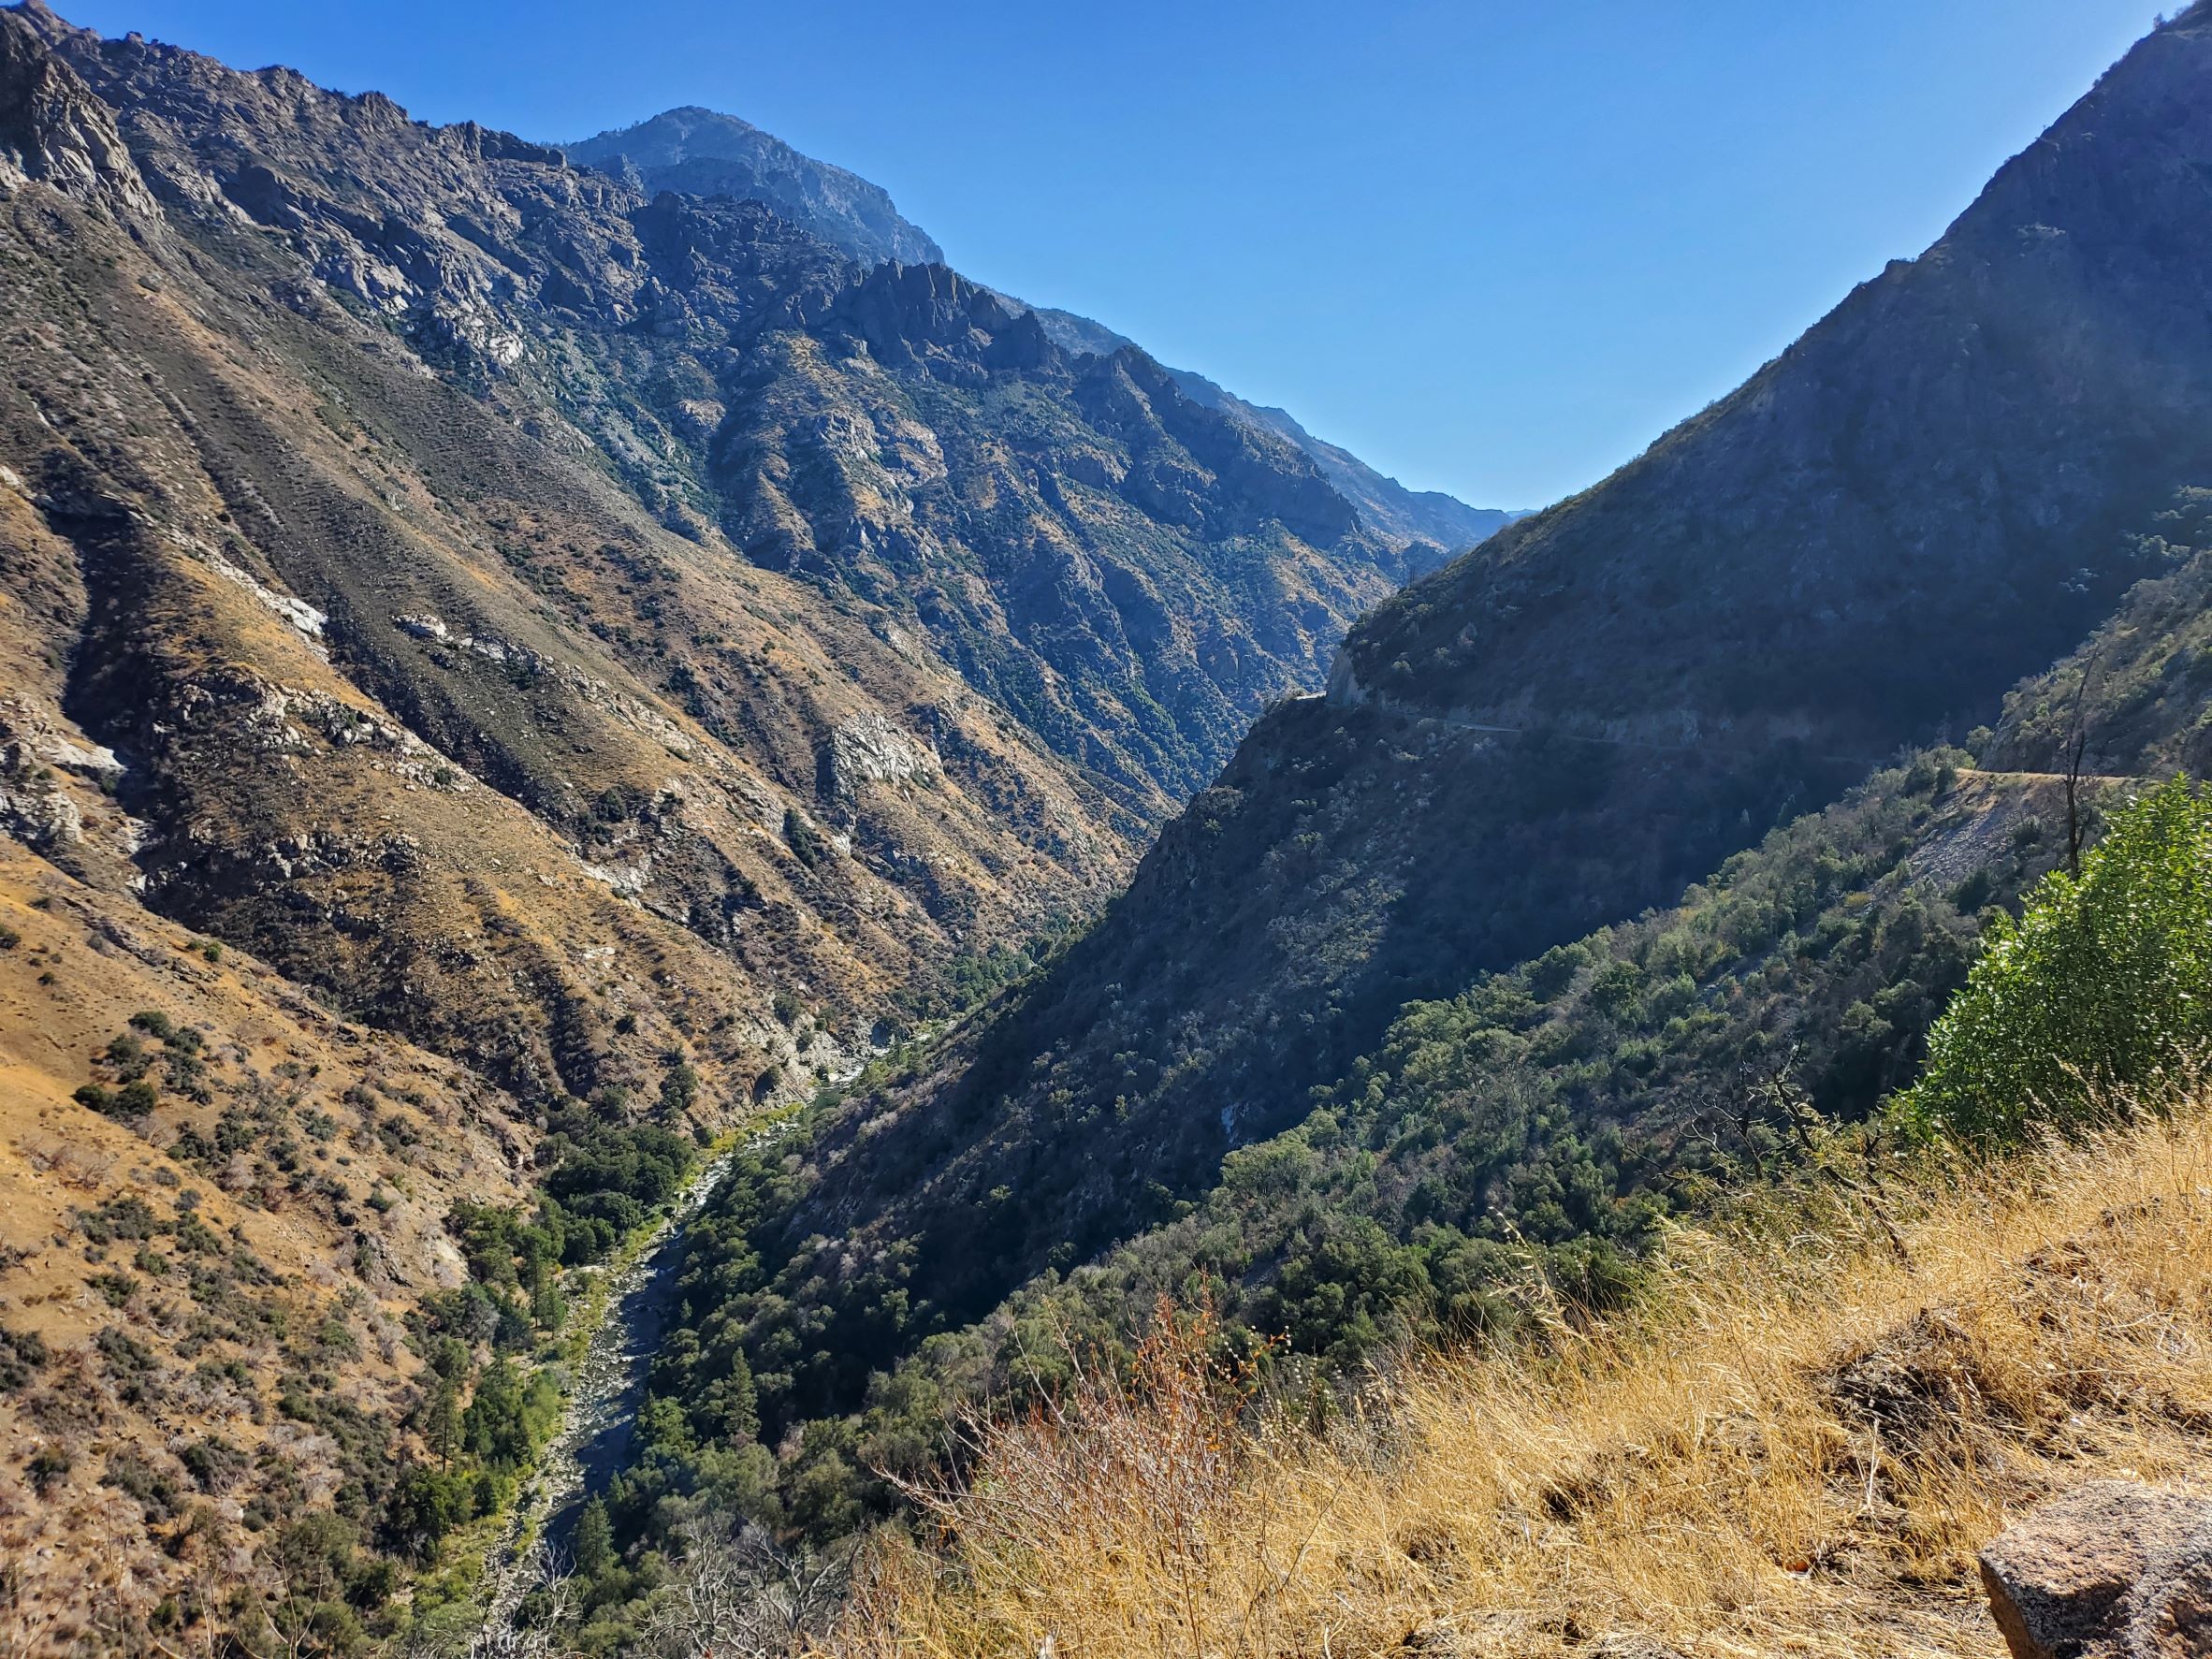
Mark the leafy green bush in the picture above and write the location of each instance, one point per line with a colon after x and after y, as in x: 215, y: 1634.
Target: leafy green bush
x: 2100, y: 987
x: 511, y: 1416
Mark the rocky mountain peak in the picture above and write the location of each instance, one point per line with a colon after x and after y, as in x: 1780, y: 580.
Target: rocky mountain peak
x: 706, y: 154
x: 55, y: 130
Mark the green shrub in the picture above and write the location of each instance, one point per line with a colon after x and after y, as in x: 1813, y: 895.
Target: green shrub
x: 2100, y: 987
x: 22, y: 1354
x: 47, y: 1468
x: 130, y: 1472
x: 805, y: 845
x: 214, y: 1464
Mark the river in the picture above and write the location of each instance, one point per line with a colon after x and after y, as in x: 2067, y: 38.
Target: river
x: 605, y: 1391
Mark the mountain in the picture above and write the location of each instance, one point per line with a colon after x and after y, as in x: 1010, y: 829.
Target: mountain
x: 524, y: 692
x: 1385, y: 505
x: 1948, y: 483
x: 699, y: 152
x: 503, y: 675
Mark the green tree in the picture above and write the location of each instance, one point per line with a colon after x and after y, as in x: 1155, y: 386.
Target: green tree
x: 2104, y: 984
x: 425, y: 1504
x: 442, y: 1421
x: 594, y: 1542
x: 679, y: 1088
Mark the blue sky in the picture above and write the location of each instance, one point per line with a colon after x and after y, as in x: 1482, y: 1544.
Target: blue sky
x: 1495, y: 249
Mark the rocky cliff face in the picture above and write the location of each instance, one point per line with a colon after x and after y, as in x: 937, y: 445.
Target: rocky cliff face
x: 700, y: 153
x: 412, y: 692
x: 1917, y: 504
x: 614, y: 509
x: 51, y: 132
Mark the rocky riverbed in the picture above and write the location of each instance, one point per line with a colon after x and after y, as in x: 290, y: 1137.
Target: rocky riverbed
x: 607, y: 1388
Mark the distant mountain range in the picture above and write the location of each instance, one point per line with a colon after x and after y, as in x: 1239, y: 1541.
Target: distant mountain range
x: 701, y: 152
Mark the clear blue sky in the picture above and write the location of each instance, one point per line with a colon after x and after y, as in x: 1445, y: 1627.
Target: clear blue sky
x: 1493, y: 249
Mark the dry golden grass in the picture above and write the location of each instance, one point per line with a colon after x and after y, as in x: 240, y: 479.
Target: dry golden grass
x: 1793, y: 1447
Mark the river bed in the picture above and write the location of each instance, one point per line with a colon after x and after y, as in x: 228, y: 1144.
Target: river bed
x: 605, y: 1391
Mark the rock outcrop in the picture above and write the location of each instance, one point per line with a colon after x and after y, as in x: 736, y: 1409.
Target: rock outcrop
x: 2111, y: 1570
x: 869, y: 749
x: 53, y: 130
x: 703, y: 153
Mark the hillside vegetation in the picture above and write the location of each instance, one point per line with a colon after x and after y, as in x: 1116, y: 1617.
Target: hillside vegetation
x: 1714, y: 1374
x: 1554, y: 1118
x: 1556, y: 1112
x: 1794, y: 1444
x: 1796, y: 1435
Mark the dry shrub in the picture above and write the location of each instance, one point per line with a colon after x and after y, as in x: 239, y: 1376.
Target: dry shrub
x: 1793, y: 1446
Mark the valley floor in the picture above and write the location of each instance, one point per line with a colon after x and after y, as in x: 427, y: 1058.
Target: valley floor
x: 1796, y: 1445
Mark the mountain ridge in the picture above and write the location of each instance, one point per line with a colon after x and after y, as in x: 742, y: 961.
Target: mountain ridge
x: 700, y: 152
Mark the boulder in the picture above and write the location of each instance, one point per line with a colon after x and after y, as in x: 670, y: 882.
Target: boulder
x: 2172, y: 1616
x: 2113, y: 1569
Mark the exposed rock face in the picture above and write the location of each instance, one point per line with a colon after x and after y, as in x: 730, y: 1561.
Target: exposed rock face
x: 871, y: 750
x: 701, y: 152
x: 52, y: 129
x: 326, y: 623
x: 2111, y: 1570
